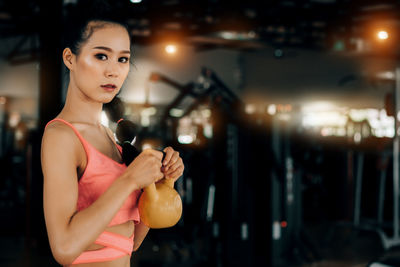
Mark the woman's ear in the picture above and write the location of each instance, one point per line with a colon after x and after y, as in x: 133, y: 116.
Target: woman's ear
x: 68, y: 57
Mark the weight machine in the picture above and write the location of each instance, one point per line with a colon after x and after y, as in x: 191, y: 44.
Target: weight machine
x: 242, y: 180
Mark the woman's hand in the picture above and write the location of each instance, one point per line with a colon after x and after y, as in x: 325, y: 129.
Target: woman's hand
x: 146, y: 168
x: 172, y: 165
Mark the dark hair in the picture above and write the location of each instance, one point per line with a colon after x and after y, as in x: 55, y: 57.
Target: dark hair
x: 115, y: 109
x: 84, y: 18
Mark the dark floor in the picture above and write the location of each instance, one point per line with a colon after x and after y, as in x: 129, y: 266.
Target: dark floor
x: 328, y: 245
x: 342, y: 245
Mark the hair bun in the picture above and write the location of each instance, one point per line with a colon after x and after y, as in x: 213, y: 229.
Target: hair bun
x: 115, y: 109
x: 126, y: 131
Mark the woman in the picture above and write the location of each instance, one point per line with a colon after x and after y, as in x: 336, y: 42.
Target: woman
x: 90, y: 196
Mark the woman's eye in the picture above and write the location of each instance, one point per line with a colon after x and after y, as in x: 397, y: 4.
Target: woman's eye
x: 101, y: 56
x: 123, y: 59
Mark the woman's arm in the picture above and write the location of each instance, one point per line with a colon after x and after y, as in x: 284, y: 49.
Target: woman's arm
x: 141, y: 231
x: 71, y: 232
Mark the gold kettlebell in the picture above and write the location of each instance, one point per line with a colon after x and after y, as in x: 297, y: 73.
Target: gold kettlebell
x: 160, y: 206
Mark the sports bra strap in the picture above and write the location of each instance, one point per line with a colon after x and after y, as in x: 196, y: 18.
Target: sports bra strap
x: 83, y: 141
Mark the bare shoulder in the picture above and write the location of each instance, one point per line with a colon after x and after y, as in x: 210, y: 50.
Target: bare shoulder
x: 58, y: 141
x: 56, y: 129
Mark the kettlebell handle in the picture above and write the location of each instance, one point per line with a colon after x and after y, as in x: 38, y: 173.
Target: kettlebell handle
x: 152, y: 191
x: 169, y: 182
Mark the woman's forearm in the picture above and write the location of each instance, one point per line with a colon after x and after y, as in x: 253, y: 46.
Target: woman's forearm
x: 85, y: 226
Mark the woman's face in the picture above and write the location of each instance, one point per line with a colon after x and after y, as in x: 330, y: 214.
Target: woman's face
x: 103, y: 63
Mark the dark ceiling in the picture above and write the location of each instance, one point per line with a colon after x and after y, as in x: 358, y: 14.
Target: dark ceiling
x: 311, y: 24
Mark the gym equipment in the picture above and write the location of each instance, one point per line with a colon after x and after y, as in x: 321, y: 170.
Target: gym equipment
x: 393, y: 107
x: 160, y: 206
x: 394, y: 240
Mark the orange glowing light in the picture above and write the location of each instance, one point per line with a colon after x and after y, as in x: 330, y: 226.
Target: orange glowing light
x: 170, y: 49
x: 383, y: 35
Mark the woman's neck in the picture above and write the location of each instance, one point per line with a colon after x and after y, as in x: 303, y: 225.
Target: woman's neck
x: 79, y: 108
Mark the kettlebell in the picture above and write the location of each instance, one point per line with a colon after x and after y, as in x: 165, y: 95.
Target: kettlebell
x: 160, y: 206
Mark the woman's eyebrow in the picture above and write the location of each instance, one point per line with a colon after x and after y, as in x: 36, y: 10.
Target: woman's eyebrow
x: 110, y: 50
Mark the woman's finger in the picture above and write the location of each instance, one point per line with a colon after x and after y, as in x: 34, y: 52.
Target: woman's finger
x: 176, y: 174
x: 168, y: 155
x: 174, y: 159
x: 172, y: 167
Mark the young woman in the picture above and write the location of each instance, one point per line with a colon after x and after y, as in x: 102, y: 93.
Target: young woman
x: 90, y: 196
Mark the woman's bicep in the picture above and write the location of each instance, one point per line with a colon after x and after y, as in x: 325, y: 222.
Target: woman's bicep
x: 60, y: 187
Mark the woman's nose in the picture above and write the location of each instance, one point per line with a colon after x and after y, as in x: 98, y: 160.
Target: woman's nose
x: 111, y: 70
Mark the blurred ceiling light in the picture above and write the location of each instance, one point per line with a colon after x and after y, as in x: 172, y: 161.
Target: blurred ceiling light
x: 185, y: 139
x: 208, y: 130
x: 206, y: 113
x: 136, y: 1
x: 389, y: 75
x: 363, y: 114
x: 186, y: 131
x: 271, y: 109
x: 176, y: 112
x: 14, y: 119
x: 232, y: 35
x: 228, y: 35
x: 170, y: 49
x: 250, y: 108
x: 381, y: 124
x: 318, y: 106
x: 145, y: 115
x: 327, y: 118
x: 382, y: 35
x: 148, y: 111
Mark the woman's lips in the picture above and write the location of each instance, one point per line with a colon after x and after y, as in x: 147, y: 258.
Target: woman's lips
x: 109, y: 87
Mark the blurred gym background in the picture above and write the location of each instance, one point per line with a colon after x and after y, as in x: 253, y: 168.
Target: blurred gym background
x: 284, y: 112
